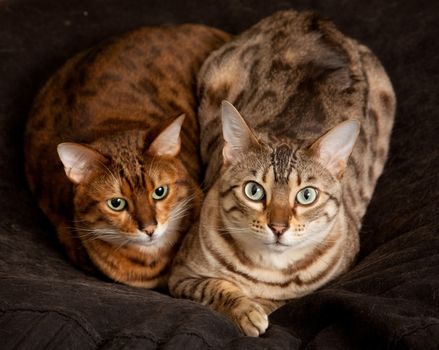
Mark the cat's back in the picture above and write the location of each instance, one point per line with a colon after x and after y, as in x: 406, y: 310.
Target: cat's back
x: 131, y: 82
x: 293, y: 76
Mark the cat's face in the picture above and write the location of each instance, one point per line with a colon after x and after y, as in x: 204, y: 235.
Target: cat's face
x: 130, y: 197
x: 279, y: 203
x: 281, y: 196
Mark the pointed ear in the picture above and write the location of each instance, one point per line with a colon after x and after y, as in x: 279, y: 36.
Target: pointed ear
x: 78, y: 160
x: 333, y: 149
x: 167, y: 143
x: 237, y: 134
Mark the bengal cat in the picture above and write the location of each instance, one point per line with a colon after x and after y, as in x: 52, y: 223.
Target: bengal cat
x: 103, y: 151
x: 291, y: 181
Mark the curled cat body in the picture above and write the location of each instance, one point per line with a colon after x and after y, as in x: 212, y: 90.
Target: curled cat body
x: 112, y: 151
x: 292, y: 161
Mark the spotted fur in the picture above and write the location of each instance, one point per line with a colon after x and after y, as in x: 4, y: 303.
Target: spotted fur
x: 303, y: 88
x: 108, y: 107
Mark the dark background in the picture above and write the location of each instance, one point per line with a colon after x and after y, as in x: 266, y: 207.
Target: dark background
x: 390, y: 300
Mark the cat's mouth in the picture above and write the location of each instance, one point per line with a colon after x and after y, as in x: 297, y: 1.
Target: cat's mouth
x: 277, y: 245
x: 145, y: 241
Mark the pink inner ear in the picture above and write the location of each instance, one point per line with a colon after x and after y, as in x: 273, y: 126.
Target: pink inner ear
x: 163, y: 147
x: 333, y: 149
x: 168, y: 142
x: 78, y: 160
x: 237, y: 135
x: 229, y: 154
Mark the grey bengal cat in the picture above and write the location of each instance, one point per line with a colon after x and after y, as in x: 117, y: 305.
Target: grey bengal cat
x: 291, y: 181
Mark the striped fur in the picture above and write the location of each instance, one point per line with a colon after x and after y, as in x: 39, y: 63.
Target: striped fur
x: 293, y: 77
x: 117, y: 99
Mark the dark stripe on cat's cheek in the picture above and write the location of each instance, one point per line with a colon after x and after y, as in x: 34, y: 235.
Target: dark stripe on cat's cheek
x: 240, y: 202
x: 329, y: 218
x: 331, y: 197
x: 85, y: 209
x: 232, y: 209
x: 312, y: 214
x: 228, y: 191
x: 102, y: 218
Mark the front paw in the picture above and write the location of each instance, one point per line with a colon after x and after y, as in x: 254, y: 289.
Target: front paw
x: 250, y: 317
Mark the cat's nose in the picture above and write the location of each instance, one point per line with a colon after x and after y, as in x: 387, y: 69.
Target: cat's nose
x: 149, y: 229
x: 278, y: 229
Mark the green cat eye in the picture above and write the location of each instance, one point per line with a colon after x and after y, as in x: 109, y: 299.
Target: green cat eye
x: 254, y: 191
x: 306, y: 196
x: 160, y: 192
x: 117, y: 204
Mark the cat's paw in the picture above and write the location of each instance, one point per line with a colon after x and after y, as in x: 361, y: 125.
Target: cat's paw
x: 250, y: 318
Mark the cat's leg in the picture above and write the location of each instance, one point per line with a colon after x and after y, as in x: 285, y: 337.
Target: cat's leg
x: 226, y: 298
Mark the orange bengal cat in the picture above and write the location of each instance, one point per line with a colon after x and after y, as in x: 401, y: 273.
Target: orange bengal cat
x: 103, y: 151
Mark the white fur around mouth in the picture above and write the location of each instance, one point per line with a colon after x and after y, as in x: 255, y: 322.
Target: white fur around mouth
x: 277, y: 247
x: 278, y: 244
x: 150, y: 242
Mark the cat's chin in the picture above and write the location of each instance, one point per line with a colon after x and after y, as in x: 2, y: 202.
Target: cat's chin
x: 150, y: 243
x: 277, y: 247
x: 154, y: 242
x: 282, y: 246
x: 148, y: 247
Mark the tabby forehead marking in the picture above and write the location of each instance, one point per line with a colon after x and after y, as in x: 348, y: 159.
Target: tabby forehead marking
x: 283, y: 161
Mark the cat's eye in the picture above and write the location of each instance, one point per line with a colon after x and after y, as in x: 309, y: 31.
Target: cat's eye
x: 117, y: 204
x: 254, y: 191
x: 306, y: 196
x: 160, y: 192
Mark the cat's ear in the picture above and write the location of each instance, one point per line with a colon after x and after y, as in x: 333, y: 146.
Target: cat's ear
x: 334, y: 148
x: 167, y: 143
x: 237, y: 135
x: 79, y: 160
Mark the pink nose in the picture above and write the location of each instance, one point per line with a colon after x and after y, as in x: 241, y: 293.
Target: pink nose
x: 149, y: 230
x: 278, y: 229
